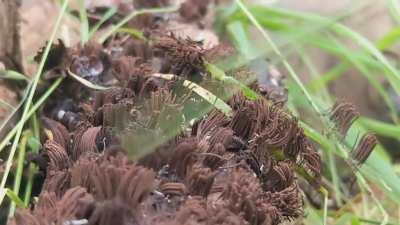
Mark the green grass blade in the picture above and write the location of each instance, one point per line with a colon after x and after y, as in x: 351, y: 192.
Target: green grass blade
x: 29, y: 101
x: 380, y: 128
x: 394, y: 8
x: 288, y: 67
x: 344, y: 219
x: 12, y: 75
x: 241, y: 40
x: 84, y: 22
x: 32, y: 167
x: 134, y: 14
x: 133, y: 32
x: 389, y: 39
x: 14, y: 198
x: 18, y: 173
x: 35, y: 107
x: 373, y: 80
x: 107, y: 15
x: 392, y: 74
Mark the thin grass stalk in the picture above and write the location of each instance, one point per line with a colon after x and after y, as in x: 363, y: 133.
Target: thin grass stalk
x: 18, y: 173
x: 13, y: 132
x: 35, y: 106
x: 32, y: 167
x: 133, y: 14
x: 107, y: 15
x: 84, y: 22
x: 308, y: 96
x: 28, y: 103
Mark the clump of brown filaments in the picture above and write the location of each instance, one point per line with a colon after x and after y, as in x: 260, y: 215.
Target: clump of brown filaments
x: 221, y: 170
x: 344, y: 114
x: 364, y: 148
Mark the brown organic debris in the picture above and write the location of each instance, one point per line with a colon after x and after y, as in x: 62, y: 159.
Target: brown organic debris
x: 203, y: 169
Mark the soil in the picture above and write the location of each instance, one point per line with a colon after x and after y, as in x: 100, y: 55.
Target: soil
x: 145, y: 150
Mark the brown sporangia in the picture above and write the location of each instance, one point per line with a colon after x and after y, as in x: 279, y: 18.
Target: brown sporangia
x: 364, y: 148
x: 74, y: 205
x: 173, y: 188
x: 58, y: 157
x: 56, y: 131
x: 183, y: 57
x: 343, y: 114
x: 279, y: 177
x: 85, y: 141
x: 214, y: 169
x: 244, y: 195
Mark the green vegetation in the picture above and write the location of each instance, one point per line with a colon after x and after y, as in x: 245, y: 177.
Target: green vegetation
x: 285, y: 34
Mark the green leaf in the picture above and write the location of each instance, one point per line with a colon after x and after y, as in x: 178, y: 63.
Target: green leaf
x: 132, y: 15
x: 389, y: 39
x: 220, y: 75
x: 344, y: 219
x: 355, y: 221
x: 14, y: 198
x: 238, y: 33
x: 133, y: 32
x: 107, y: 15
x: 12, y: 75
x: 34, y: 144
x: 84, y: 22
x: 380, y: 128
x: 394, y: 7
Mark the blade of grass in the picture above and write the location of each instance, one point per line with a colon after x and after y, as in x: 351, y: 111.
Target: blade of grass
x: 107, y: 15
x: 288, y: 67
x: 18, y: 173
x: 33, y: 109
x: 238, y: 33
x: 392, y: 74
x: 380, y: 128
x: 133, y: 14
x: 325, y: 208
x: 32, y: 167
x: 133, y: 32
x: 84, y: 22
x: 14, y: 198
x: 6, y: 104
x: 208, y: 96
x: 388, y: 40
x: 220, y: 75
x: 344, y: 219
x: 306, y: 93
x: 372, y: 79
x: 394, y: 8
x: 330, y: 155
x: 29, y: 102
x: 12, y: 75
